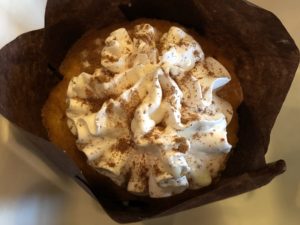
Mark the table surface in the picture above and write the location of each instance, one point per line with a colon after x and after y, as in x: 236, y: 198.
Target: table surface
x: 32, y: 194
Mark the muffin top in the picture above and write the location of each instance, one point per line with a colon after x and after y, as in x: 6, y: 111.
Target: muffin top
x: 148, y: 117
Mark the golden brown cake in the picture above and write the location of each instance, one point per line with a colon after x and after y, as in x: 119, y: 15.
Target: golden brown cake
x: 146, y: 157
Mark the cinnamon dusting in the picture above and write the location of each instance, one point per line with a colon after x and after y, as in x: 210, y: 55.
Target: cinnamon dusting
x: 124, y: 144
x: 111, y: 164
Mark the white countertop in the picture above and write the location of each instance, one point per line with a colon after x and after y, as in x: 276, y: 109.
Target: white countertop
x: 32, y: 194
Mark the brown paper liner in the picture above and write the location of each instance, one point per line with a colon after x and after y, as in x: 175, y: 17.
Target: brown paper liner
x: 264, y: 54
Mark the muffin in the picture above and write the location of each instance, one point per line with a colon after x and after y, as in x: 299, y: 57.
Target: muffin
x: 141, y: 101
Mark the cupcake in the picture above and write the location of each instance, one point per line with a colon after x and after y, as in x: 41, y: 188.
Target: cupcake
x: 37, y: 68
x: 143, y: 104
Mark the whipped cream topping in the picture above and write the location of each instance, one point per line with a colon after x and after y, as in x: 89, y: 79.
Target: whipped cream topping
x: 149, y: 117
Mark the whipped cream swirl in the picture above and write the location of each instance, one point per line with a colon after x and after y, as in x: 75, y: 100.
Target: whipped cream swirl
x: 149, y: 117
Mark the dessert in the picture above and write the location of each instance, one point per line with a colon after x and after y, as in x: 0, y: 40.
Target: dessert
x: 146, y: 113
x: 247, y: 48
